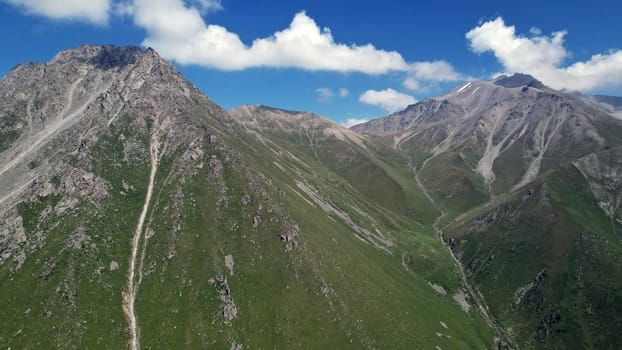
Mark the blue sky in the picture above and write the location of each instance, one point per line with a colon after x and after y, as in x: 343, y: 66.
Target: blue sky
x: 345, y: 59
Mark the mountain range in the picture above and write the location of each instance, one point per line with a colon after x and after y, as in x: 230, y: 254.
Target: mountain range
x: 136, y: 212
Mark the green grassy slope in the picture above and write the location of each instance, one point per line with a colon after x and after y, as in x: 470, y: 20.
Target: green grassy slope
x: 65, y: 296
x: 546, y: 261
x: 358, y: 275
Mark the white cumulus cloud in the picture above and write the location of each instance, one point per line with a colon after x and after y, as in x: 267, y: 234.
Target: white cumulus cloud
x: 411, y: 83
x: 388, y: 99
x: 422, y: 73
x: 435, y: 70
x: 543, y: 57
x: 350, y: 122
x: 324, y: 94
x: 93, y: 11
x: 179, y: 32
x: 209, y: 5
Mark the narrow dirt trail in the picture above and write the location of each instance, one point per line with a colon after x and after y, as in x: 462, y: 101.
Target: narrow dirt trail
x: 131, y: 289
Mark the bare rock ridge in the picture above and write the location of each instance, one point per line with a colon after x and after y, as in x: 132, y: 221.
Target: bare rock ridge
x: 258, y: 119
x: 118, y: 57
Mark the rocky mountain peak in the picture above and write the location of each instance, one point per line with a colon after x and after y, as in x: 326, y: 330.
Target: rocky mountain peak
x: 99, y: 58
x: 83, y: 92
x: 488, y: 120
x: 264, y: 118
x: 107, y: 56
x: 470, y: 100
x: 518, y: 80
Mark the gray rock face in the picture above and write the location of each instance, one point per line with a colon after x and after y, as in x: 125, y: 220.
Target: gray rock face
x: 12, y: 237
x: 59, y: 109
x: 110, y: 57
x: 514, y: 118
x: 518, y: 80
x: 79, y: 239
x: 603, y: 170
x: 228, y: 309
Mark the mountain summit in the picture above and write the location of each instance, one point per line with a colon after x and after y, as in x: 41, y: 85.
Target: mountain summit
x: 518, y: 80
x: 488, y: 121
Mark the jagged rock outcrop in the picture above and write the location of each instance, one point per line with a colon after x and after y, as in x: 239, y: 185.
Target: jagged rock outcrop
x: 228, y: 309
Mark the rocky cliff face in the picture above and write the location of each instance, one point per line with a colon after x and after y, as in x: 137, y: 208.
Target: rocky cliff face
x: 60, y: 109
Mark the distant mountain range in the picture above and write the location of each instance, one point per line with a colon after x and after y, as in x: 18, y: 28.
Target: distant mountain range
x: 529, y: 181
x: 135, y: 212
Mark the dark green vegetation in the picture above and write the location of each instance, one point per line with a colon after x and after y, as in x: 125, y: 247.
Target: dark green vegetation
x: 453, y: 183
x: 546, y: 261
x: 334, y: 284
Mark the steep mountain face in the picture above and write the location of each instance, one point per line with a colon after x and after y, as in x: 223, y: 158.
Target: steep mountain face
x: 377, y: 172
x: 528, y: 182
x: 609, y: 104
x: 135, y: 212
x: 496, y: 135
